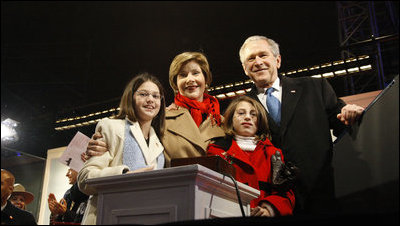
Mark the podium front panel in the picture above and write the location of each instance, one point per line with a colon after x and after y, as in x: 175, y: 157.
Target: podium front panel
x: 169, y: 195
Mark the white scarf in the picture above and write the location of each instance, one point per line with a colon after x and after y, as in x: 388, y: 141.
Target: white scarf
x: 246, y: 143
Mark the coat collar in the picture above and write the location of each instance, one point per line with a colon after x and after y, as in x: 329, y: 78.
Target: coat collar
x: 199, y: 136
x: 5, y: 205
x: 239, y: 154
x: 9, y: 209
x: 233, y: 150
x: 155, y: 147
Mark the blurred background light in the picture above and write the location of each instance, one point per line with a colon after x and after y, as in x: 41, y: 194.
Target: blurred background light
x: 8, y: 130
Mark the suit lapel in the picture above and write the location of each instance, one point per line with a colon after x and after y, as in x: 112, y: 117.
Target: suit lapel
x: 291, y: 93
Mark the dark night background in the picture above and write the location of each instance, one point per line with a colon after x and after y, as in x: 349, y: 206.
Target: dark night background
x: 63, y: 59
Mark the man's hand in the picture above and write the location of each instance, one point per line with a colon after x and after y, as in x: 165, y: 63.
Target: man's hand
x: 350, y: 114
x: 57, y: 208
x: 172, y: 106
x: 96, y: 147
x: 84, y: 156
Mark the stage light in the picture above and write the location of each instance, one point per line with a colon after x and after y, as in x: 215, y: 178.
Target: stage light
x: 8, y: 132
x: 314, y: 67
x: 366, y: 67
x: 240, y: 92
x: 338, y: 62
x: 327, y: 75
x: 221, y: 96
x: 326, y: 65
x: 353, y: 70
x: 340, y: 72
x: 303, y: 69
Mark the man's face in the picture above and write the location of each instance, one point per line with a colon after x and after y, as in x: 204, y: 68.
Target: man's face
x: 72, y: 176
x: 7, y: 187
x: 260, y: 64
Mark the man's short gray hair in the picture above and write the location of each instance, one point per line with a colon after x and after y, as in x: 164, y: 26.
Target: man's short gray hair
x: 273, y: 45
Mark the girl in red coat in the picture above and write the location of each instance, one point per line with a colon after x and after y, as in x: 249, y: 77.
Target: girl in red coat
x: 247, y: 146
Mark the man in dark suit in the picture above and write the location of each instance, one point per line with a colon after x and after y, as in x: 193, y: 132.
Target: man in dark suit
x: 309, y: 108
x: 72, y: 206
x: 11, y: 215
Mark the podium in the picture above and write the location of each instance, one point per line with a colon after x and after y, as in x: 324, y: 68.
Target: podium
x: 366, y: 159
x: 183, y: 193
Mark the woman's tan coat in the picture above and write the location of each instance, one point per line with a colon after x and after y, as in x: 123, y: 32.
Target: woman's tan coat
x: 182, y: 137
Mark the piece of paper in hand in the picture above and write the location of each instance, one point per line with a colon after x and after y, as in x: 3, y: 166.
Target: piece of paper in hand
x: 72, y: 155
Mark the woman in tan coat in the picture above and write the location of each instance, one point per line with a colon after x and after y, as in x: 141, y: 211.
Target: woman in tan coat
x: 194, y: 119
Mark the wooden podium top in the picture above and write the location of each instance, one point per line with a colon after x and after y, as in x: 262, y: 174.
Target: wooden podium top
x: 215, y: 163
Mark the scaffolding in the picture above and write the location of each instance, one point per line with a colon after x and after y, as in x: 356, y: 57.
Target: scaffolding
x: 369, y: 28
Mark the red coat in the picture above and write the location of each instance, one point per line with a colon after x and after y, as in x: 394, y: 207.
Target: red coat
x: 254, y: 169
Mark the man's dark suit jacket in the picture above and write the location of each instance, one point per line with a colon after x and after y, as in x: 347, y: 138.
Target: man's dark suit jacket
x: 308, y: 112
x: 12, y: 215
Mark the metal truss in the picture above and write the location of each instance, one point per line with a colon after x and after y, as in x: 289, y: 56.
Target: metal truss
x: 365, y: 27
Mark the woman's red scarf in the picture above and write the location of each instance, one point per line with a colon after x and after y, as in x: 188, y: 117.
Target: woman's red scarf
x: 209, y: 106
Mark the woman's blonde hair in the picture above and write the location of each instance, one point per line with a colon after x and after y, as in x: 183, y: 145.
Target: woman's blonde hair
x: 127, y: 103
x: 180, y: 60
x: 262, y: 120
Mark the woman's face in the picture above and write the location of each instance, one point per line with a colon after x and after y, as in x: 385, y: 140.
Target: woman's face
x: 245, y: 119
x: 148, y: 101
x: 191, y: 81
x: 18, y: 201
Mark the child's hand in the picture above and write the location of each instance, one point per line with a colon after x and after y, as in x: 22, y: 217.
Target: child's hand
x: 260, y: 212
x: 142, y: 170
